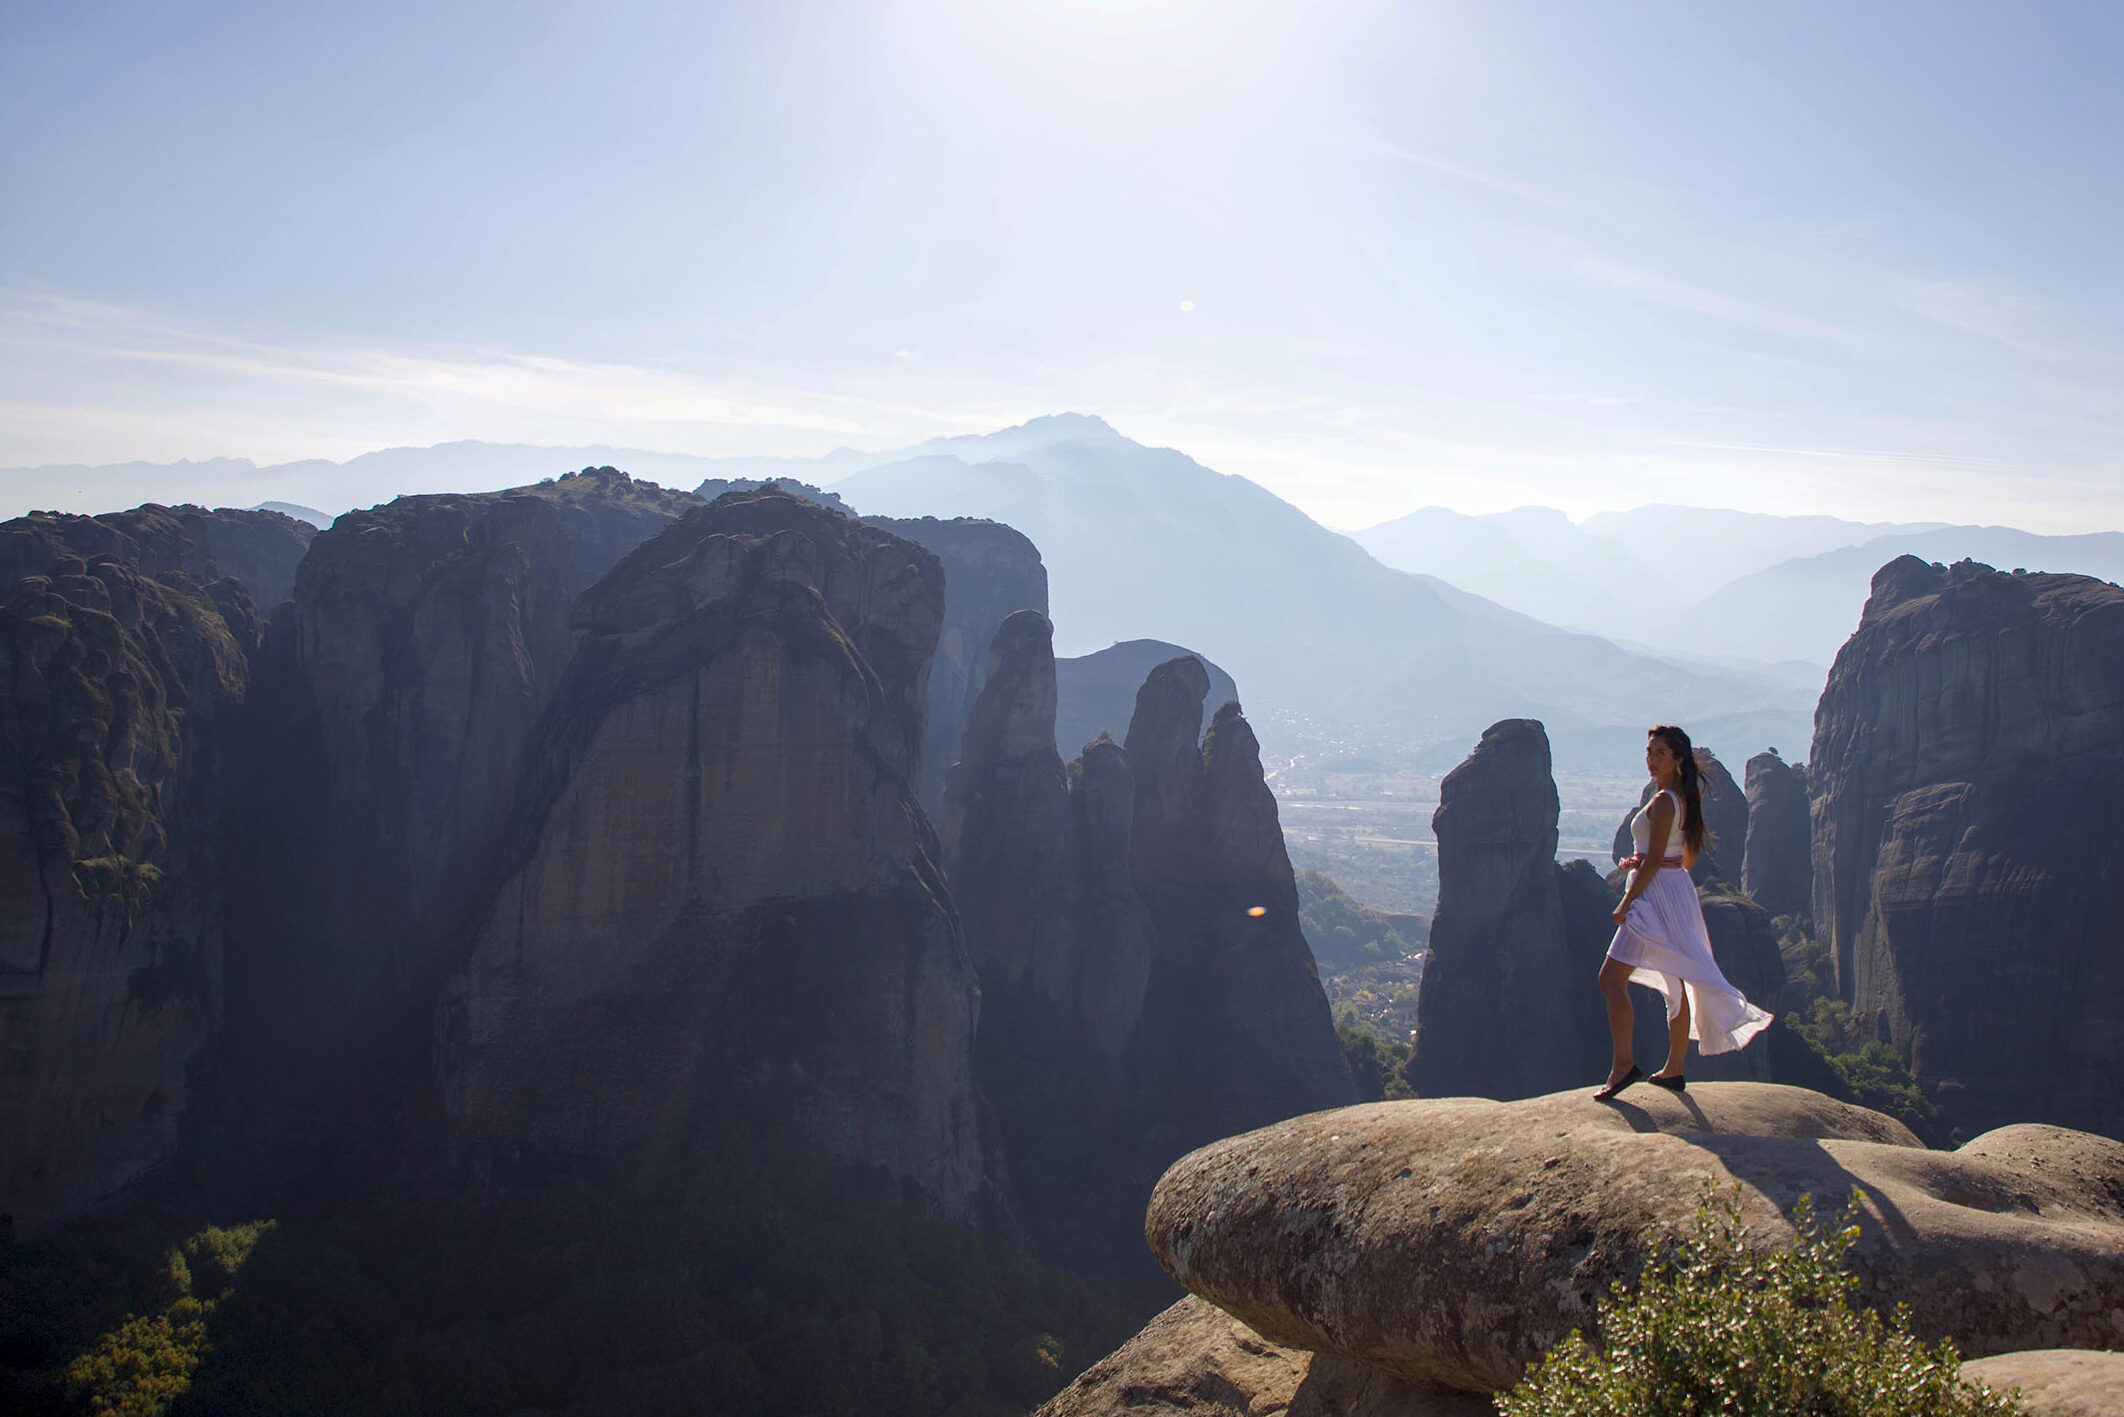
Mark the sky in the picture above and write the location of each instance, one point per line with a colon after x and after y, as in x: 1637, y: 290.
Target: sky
x: 1804, y: 258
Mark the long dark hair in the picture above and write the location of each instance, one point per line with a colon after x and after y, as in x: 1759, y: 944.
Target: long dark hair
x: 1691, y: 785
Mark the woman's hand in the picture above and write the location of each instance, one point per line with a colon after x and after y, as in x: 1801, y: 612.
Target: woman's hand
x: 1621, y: 911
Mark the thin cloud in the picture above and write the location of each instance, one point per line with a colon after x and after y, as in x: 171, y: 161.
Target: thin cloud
x: 1524, y: 191
x: 599, y: 398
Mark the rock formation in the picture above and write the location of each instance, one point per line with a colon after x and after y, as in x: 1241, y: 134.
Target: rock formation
x: 1235, y: 1026
x: 386, y: 731
x: 1969, y: 836
x: 990, y: 573
x: 1725, y: 817
x: 1198, y: 1360
x: 1500, y: 1013
x: 1096, y: 693
x: 715, y: 487
x: 2056, y: 1382
x: 1131, y: 1006
x: 259, y: 548
x: 123, y: 657
x: 1777, y: 868
x: 722, y: 892
x: 1375, y: 1233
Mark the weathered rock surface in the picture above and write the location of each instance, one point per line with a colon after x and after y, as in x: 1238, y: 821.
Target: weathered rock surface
x: 1194, y: 1358
x: 1777, y: 868
x: 2056, y: 1382
x: 725, y: 893
x: 990, y: 573
x: 119, y: 673
x: 1131, y: 1006
x: 386, y: 733
x: 1725, y: 817
x: 1503, y: 1008
x: 1969, y: 836
x: 1096, y: 693
x: 259, y: 548
x: 1453, y: 1241
x: 1235, y: 1025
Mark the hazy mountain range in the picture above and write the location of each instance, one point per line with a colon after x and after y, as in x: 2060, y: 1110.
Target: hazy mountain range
x: 1714, y: 582
x: 1416, y: 632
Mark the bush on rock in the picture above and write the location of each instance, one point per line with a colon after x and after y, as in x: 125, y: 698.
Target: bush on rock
x: 1723, y: 1326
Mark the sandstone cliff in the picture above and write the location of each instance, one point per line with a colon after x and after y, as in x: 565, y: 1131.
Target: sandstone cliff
x: 722, y: 892
x: 1235, y: 1027
x: 1132, y: 1006
x: 394, y: 702
x: 1777, y: 868
x: 259, y: 548
x: 1501, y: 1011
x: 1969, y: 836
x: 123, y: 656
x: 990, y: 573
x: 1096, y: 693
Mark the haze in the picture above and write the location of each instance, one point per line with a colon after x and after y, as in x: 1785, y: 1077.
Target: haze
x: 1795, y: 259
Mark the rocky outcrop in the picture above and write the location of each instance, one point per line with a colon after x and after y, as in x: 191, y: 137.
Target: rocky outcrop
x: 395, y: 700
x: 1131, y: 1005
x: 1375, y: 1233
x: 1969, y: 837
x: 1096, y: 693
x: 1196, y: 1359
x: 2056, y: 1382
x: 1235, y: 1026
x: 1501, y: 1011
x: 259, y: 548
x: 715, y: 487
x: 123, y: 657
x: 724, y: 894
x: 990, y: 573
x: 1725, y: 817
x: 1777, y: 868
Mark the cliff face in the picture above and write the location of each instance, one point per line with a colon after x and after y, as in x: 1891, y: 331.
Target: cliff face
x: 1235, y: 1028
x: 1777, y: 868
x: 1145, y: 984
x: 1501, y: 1011
x: 396, y: 696
x: 990, y: 573
x: 1096, y: 693
x: 119, y: 673
x: 725, y: 893
x: 1969, y: 838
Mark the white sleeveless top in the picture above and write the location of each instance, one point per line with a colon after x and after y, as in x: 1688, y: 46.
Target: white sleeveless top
x: 1641, y: 827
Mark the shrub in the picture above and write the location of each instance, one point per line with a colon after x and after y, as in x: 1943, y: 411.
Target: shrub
x: 1720, y: 1325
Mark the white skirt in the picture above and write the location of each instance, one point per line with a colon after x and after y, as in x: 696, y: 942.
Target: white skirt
x: 1664, y: 942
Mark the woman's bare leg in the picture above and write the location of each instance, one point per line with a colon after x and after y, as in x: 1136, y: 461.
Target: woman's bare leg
x: 1615, y: 989
x: 1677, y: 1040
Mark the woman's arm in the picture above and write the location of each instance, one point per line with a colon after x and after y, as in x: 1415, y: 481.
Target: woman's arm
x: 1655, y: 855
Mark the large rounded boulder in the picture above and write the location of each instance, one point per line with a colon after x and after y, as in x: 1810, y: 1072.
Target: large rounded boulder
x: 1453, y: 1241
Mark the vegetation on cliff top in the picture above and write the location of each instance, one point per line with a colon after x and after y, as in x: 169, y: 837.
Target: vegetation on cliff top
x: 1723, y: 1325
x: 752, y: 1281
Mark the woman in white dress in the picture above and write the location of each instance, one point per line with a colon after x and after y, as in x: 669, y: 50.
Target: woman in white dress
x: 1660, y: 940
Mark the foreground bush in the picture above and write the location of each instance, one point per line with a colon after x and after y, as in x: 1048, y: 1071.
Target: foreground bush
x: 1720, y: 1326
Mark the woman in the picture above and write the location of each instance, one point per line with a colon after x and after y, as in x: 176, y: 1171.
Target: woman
x: 1661, y: 941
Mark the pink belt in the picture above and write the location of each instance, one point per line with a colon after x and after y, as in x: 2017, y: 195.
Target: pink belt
x: 1631, y: 863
